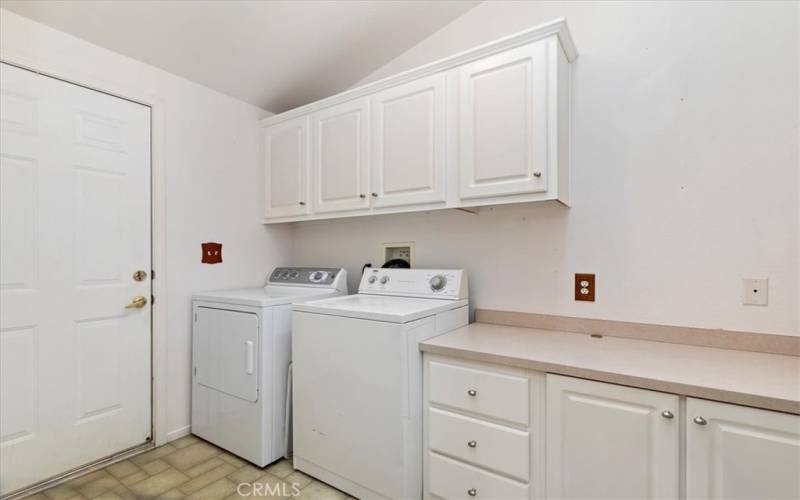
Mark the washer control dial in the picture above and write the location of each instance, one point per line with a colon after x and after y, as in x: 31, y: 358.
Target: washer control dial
x: 317, y: 276
x: 372, y: 279
x: 384, y: 280
x: 438, y: 282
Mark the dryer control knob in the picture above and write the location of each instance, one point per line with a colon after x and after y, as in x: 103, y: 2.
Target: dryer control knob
x: 372, y: 279
x: 438, y: 282
x: 384, y: 280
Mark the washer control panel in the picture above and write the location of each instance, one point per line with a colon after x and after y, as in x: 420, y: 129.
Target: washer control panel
x: 427, y: 283
x: 303, y: 275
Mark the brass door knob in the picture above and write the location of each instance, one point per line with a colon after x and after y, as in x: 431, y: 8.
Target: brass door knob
x: 138, y: 302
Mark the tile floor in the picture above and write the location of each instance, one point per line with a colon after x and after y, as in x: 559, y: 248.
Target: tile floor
x: 194, y: 469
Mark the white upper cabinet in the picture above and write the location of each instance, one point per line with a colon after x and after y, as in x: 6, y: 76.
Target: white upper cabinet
x: 738, y: 452
x: 610, y: 441
x: 340, y: 157
x: 483, y: 127
x: 503, y: 123
x: 408, y: 143
x: 286, y: 158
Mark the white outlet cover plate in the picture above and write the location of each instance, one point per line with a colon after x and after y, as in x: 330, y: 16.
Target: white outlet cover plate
x: 755, y: 291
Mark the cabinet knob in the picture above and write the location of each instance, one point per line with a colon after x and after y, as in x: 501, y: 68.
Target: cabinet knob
x: 699, y: 420
x: 537, y: 174
x: 374, y: 195
x: 362, y: 196
x: 472, y: 444
x: 472, y: 492
x: 667, y: 414
x: 303, y: 203
x: 472, y: 393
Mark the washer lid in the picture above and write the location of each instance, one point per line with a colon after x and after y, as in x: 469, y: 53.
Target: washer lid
x: 271, y: 295
x: 379, y: 308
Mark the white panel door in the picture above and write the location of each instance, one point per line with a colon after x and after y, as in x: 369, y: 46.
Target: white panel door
x: 408, y: 143
x: 610, y: 441
x: 341, y: 157
x: 738, y: 452
x: 503, y: 123
x: 74, y: 227
x: 286, y: 157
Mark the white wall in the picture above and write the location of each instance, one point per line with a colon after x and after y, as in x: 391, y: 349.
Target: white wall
x: 685, y: 168
x: 211, y: 149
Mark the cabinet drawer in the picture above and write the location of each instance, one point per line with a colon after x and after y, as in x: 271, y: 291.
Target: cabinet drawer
x: 485, y: 444
x: 451, y: 479
x: 493, y: 394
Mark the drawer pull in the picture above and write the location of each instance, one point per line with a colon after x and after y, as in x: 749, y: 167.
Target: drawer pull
x: 472, y: 492
x: 472, y: 444
x: 699, y: 420
x: 667, y: 414
x: 472, y: 393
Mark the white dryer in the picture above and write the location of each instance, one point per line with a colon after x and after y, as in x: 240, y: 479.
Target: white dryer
x: 358, y: 379
x: 241, y: 349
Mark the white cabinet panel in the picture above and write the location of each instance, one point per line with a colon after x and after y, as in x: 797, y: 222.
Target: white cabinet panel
x: 455, y: 480
x: 286, y: 163
x: 738, y: 452
x: 610, y: 441
x: 484, y: 392
x: 341, y: 157
x: 503, y: 115
x: 408, y: 143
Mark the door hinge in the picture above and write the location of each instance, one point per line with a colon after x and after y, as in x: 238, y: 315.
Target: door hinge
x: 152, y: 274
x: 152, y: 299
x: 195, y: 317
x: 195, y: 371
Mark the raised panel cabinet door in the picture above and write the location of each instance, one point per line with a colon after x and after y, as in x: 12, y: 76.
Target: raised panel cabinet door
x: 286, y: 159
x: 341, y: 157
x: 738, y: 452
x: 408, y: 143
x: 610, y: 441
x: 503, y: 110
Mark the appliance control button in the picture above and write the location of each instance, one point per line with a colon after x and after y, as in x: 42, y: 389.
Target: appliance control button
x: 317, y: 276
x: 438, y: 282
x: 372, y: 279
x: 293, y: 274
x: 384, y: 280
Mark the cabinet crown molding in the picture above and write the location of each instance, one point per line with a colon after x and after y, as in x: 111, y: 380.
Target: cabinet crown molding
x: 557, y: 27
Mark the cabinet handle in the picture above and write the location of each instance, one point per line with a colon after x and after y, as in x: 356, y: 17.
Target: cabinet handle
x: 537, y: 174
x: 472, y: 492
x: 699, y: 420
x: 362, y: 196
x: 303, y: 203
x: 374, y: 195
x: 472, y: 444
x: 667, y: 414
x: 472, y: 393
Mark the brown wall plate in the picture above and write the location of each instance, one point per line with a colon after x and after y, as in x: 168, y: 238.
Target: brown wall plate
x: 212, y: 253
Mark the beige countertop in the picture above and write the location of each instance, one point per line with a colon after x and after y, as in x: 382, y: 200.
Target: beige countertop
x: 770, y: 381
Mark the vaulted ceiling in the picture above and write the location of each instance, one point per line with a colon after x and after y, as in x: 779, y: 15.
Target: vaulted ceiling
x: 274, y: 54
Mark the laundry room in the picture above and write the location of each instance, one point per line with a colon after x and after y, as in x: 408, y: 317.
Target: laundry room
x: 396, y: 249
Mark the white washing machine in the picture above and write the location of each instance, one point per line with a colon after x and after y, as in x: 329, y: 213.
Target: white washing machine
x: 358, y: 379
x: 241, y: 349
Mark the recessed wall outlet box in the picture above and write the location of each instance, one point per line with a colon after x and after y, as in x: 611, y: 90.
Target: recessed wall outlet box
x: 754, y: 291
x: 403, y: 250
x: 584, y: 287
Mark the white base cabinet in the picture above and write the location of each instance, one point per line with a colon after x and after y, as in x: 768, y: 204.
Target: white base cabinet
x: 738, y: 452
x: 502, y: 433
x: 610, y: 441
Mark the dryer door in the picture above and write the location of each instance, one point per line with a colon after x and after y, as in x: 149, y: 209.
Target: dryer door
x: 226, y: 351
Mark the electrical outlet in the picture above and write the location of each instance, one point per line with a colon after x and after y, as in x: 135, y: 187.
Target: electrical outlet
x: 754, y: 291
x: 584, y: 287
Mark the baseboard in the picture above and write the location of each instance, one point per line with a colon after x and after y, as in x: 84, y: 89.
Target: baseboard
x: 179, y: 433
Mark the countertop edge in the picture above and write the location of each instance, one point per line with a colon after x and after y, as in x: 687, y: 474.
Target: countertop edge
x: 681, y: 389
